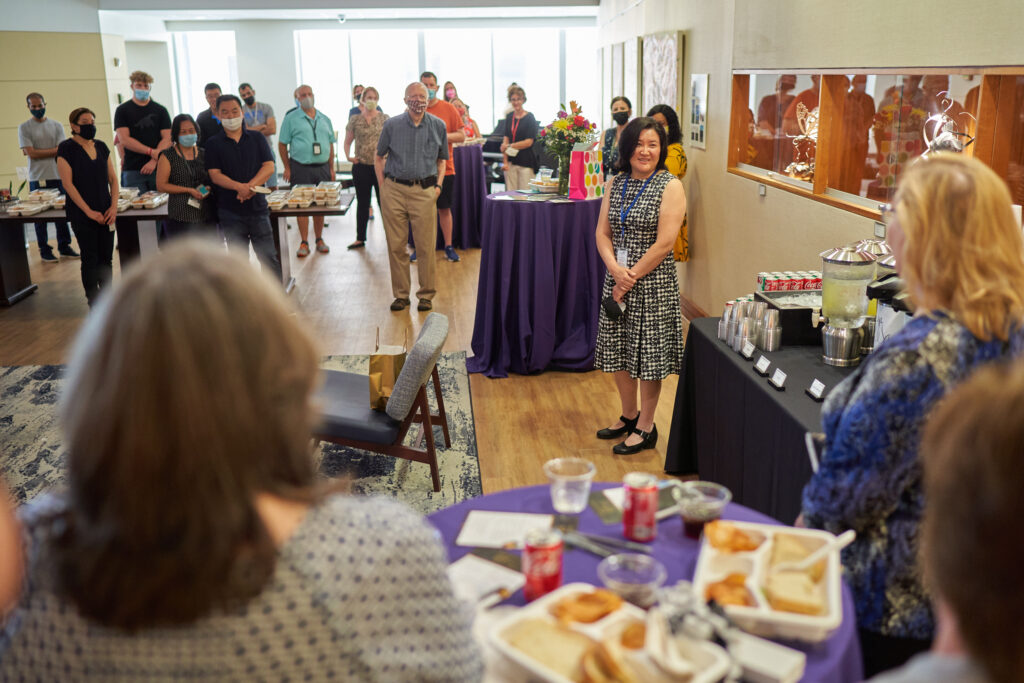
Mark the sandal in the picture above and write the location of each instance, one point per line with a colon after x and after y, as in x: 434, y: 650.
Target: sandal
x: 303, y: 249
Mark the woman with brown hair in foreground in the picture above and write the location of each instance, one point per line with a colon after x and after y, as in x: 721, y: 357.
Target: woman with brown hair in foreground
x: 192, y: 541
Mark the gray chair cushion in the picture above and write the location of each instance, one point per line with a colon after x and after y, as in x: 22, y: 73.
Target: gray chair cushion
x: 418, y: 365
x: 346, y: 413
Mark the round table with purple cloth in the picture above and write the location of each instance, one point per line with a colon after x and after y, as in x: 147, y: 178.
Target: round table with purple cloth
x: 837, y: 659
x: 539, y: 288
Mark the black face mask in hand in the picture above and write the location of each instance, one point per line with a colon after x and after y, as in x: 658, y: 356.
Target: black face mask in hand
x: 621, y: 117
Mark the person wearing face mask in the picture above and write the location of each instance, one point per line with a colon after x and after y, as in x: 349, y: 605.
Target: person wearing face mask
x: 206, y: 120
x: 38, y: 138
x: 622, y: 110
x: 409, y: 162
x: 259, y: 117
x: 449, y: 92
x: 87, y: 173
x: 675, y: 163
x: 181, y: 173
x: 364, y: 129
x: 469, y: 126
x: 143, y: 128
x: 357, y: 95
x: 453, y: 124
x: 237, y: 161
x: 306, y: 145
x: 521, y: 129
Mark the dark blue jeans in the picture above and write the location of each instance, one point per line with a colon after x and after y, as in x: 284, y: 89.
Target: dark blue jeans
x: 241, y: 229
x: 63, y: 234
x: 145, y: 183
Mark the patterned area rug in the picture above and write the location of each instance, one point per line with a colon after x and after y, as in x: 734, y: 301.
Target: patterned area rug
x: 32, y: 458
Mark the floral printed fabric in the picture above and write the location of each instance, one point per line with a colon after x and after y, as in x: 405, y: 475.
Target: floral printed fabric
x: 870, y: 476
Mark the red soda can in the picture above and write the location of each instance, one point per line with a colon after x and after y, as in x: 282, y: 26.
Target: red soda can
x: 762, y: 281
x: 542, y: 562
x: 639, y: 521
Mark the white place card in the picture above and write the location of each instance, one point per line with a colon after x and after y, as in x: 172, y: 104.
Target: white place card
x: 779, y: 378
x: 474, y: 577
x: 485, y: 529
x: 816, y: 389
x: 762, y: 365
x: 748, y: 350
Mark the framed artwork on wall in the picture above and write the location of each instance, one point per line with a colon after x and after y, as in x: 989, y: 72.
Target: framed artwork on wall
x: 698, y: 110
x: 632, y: 79
x: 661, y: 70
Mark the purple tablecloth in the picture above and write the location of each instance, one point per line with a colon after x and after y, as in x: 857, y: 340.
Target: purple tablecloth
x: 539, y: 287
x: 836, y: 659
x: 468, y: 195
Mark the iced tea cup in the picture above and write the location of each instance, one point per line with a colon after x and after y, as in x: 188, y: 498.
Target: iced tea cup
x: 570, y: 483
x: 700, y: 502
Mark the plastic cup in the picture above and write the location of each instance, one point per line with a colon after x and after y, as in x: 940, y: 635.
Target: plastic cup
x: 632, y: 576
x: 700, y: 502
x: 570, y: 483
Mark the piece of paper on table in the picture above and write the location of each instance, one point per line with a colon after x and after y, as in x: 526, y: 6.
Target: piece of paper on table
x: 485, y: 529
x: 502, y: 198
x: 474, y: 577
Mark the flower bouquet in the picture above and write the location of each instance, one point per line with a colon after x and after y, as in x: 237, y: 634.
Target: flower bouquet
x: 563, y: 134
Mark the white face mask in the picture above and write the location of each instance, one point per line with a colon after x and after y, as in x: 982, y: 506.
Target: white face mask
x: 232, y: 124
x: 306, y: 103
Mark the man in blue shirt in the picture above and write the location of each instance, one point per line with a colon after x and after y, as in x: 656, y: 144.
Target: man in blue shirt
x: 412, y: 154
x: 306, y: 144
x: 239, y: 160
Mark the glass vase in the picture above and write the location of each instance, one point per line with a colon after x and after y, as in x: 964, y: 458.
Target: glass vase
x: 563, y: 174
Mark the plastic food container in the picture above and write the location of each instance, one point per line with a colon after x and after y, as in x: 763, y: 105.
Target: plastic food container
x: 761, y: 619
x: 710, y: 661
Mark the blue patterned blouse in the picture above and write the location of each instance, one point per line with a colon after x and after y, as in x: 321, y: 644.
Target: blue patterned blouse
x: 870, y: 478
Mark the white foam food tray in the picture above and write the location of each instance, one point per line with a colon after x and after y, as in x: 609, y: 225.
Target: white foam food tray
x: 761, y: 619
x: 709, y: 660
x: 544, y: 188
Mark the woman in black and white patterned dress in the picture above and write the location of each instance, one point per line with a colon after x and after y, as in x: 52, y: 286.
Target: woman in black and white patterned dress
x: 180, y: 172
x: 640, y: 216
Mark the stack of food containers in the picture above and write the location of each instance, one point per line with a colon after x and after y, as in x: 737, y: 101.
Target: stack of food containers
x: 328, y: 193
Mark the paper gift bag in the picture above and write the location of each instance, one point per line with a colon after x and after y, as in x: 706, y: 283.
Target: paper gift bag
x: 386, y: 364
x: 586, y: 180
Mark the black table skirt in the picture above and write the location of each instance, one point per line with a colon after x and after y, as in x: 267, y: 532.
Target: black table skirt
x: 730, y: 426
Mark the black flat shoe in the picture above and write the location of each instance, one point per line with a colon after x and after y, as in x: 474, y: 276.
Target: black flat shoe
x: 649, y: 439
x: 627, y: 428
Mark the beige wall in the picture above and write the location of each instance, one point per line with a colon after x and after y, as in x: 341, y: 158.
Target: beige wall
x: 68, y: 69
x: 734, y: 233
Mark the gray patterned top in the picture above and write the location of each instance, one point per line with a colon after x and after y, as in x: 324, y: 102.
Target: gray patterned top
x: 359, y: 593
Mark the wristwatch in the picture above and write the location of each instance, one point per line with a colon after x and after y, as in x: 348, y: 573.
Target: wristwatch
x: 439, y: 187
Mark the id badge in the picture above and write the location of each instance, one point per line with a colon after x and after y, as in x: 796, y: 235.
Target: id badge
x: 316, y: 149
x: 622, y: 257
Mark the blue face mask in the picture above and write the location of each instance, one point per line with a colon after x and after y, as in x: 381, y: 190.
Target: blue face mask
x: 297, y: 103
x: 141, y: 94
x: 38, y: 113
x: 188, y: 140
x: 431, y: 93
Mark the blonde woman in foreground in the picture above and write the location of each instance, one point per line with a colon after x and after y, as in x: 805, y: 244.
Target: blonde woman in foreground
x: 959, y: 250
x: 192, y: 541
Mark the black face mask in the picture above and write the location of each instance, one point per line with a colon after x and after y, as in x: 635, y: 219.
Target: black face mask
x: 621, y: 117
x: 249, y: 100
x: 87, y: 130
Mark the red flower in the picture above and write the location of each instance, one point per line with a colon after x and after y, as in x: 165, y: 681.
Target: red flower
x: 578, y: 121
x: 543, y: 132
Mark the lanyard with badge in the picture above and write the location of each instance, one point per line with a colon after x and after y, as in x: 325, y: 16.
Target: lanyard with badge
x: 316, y: 145
x: 622, y: 253
x: 513, y: 128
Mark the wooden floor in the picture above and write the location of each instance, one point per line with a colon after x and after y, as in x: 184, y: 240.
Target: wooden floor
x: 521, y: 421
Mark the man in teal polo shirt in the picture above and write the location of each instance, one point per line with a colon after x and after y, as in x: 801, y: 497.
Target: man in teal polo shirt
x: 306, y: 144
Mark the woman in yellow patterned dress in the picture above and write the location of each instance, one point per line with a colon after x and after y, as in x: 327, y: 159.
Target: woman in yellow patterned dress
x: 675, y: 162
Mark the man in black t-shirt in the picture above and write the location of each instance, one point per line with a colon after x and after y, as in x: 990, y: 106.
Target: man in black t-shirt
x: 209, y: 124
x: 144, y: 130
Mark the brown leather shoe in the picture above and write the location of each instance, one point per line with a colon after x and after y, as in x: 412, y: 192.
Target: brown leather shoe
x: 424, y: 305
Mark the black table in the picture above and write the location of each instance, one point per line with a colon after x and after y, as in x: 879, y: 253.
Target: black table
x: 729, y: 425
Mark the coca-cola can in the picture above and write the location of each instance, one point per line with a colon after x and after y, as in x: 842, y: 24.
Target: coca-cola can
x: 639, y: 512
x: 762, y: 281
x: 815, y: 280
x: 801, y: 280
x: 542, y: 562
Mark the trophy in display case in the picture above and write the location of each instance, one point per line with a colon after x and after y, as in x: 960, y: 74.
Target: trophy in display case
x: 804, y: 144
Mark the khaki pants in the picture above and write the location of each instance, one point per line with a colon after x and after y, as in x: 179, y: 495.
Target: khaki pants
x: 518, y: 177
x: 402, y: 205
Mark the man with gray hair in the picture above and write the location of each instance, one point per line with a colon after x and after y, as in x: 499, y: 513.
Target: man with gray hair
x: 412, y: 155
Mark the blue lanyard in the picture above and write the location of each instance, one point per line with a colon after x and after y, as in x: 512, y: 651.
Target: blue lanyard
x: 624, y: 210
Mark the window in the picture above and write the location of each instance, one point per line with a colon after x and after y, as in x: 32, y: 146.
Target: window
x: 463, y: 56
x: 323, y: 66
x: 869, y: 128
x: 536, y: 70
x: 391, y: 75
x: 203, y: 57
x: 582, y: 76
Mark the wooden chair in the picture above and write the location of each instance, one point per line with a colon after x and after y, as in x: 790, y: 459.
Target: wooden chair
x: 347, y: 419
